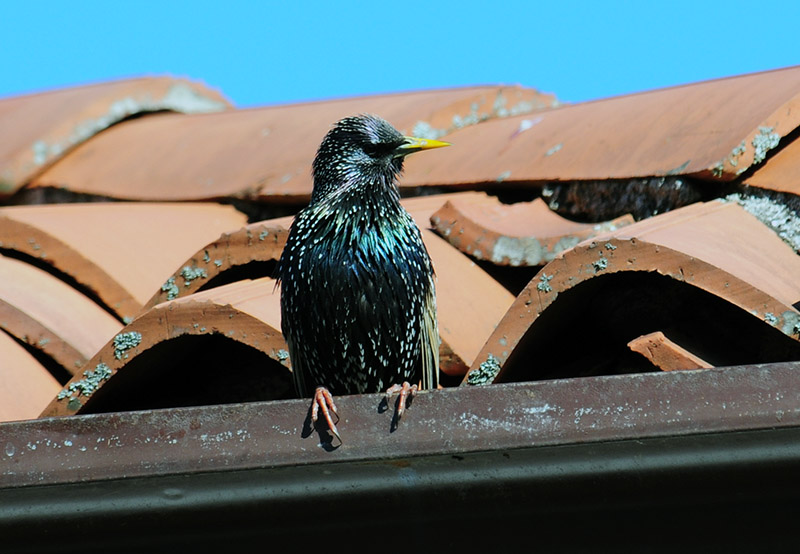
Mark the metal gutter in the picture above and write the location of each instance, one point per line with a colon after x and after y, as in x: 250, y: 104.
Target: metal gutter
x: 620, y: 459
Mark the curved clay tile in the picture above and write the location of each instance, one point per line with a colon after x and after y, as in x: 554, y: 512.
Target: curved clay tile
x: 27, y: 386
x: 709, y: 275
x: 470, y: 302
x: 37, y: 129
x: 263, y: 153
x: 521, y: 234
x: 122, y: 252
x: 713, y: 130
x: 219, y: 345
x: 51, y: 316
x: 781, y: 172
x: 256, y: 244
x: 666, y: 354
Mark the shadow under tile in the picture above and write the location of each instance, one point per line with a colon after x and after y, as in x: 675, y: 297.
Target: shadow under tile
x: 586, y: 330
x: 193, y: 371
x: 251, y: 270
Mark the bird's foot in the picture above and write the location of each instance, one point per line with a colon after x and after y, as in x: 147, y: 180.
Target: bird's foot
x: 323, y: 402
x: 405, y: 391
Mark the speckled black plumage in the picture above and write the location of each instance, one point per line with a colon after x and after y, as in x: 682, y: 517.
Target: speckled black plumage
x: 358, y: 303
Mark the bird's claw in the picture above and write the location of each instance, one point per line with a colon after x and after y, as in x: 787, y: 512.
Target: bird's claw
x: 405, y: 391
x: 323, y: 402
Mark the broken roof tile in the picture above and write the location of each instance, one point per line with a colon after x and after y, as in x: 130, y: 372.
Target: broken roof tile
x: 122, y: 252
x: 27, y: 385
x: 521, y: 234
x: 712, y: 130
x: 262, y: 153
x: 237, y: 354
x: 710, y: 274
x: 666, y: 354
x: 39, y: 128
x: 51, y: 316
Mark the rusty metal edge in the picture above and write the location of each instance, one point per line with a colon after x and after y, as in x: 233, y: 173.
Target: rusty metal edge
x: 446, y: 422
x: 665, y: 460
x: 730, y: 490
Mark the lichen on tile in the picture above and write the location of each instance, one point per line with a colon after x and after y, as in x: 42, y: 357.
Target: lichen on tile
x: 86, y: 386
x: 544, y: 283
x: 486, y: 372
x: 778, y: 217
x: 763, y: 142
x: 171, y: 289
x: 189, y: 274
x: 124, y: 342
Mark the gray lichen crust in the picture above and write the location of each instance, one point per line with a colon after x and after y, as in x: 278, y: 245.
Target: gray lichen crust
x: 124, y: 342
x: 486, y: 372
x: 86, y: 386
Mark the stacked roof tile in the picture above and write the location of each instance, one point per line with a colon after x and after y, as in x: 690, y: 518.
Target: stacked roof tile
x: 121, y: 291
x: 118, y: 268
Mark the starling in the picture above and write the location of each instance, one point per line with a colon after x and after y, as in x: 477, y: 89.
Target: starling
x: 358, y: 304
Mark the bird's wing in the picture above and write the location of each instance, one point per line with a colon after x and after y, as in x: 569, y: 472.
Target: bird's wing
x: 429, y: 337
x: 298, y: 372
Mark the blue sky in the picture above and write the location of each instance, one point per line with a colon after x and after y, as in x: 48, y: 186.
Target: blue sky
x: 262, y: 53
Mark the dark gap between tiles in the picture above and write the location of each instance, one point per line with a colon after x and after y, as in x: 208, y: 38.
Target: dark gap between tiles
x: 586, y: 330
x: 513, y: 278
x: 251, y: 270
x: 55, y: 369
x: 260, y: 211
x: 193, y: 370
x: 783, y: 143
x: 62, y: 276
x: 53, y: 195
x: 597, y: 201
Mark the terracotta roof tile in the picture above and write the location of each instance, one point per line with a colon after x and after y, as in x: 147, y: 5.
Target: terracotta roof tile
x: 781, y: 172
x: 245, y: 312
x: 665, y: 354
x: 37, y: 129
x: 27, y: 385
x: 713, y: 130
x: 121, y: 252
x: 257, y: 242
x: 470, y: 302
x: 260, y: 242
x: 257, y: 153
x: 51, y: 316
x: 711, y: 263
x: 701, y: 286
x: 525, y: 233
x: 727, y: 237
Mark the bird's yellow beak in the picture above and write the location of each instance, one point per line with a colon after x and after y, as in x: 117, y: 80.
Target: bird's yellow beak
x: 414, y: 144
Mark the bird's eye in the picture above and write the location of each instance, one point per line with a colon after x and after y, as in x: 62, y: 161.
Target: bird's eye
x: 376, y: 150
x: 370, y: 149
x: 380, y: 149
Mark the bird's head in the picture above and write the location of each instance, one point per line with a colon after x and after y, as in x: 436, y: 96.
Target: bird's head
x: 361, y: 150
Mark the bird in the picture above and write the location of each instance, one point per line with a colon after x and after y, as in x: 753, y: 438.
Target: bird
x: 358, y: 296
